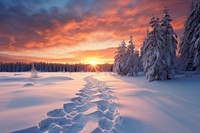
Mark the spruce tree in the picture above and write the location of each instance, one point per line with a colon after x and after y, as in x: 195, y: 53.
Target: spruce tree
x: 195, y: 42
x: 120, y: 59
x: 143, y: 50
x: 137, y: 63
x: 189, y: 46
x: 130, y: 58
x: 132, y: 62
x: 154, y: 63
x: 33, y: 72
x: 170, y: 42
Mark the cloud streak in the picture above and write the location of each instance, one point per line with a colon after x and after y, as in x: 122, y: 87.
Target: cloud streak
x: 83, y: 56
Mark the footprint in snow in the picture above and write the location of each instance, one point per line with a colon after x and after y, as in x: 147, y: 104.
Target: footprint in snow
x: 71, y: 118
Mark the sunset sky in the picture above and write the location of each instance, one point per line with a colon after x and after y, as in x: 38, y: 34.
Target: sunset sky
x: 78, y: 30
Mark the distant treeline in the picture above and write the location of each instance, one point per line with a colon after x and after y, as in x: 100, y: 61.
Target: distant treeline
x: 54, y: 67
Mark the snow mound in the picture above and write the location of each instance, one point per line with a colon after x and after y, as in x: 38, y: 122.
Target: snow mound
x: 28, y: 85
x: 69, y: 107
x: 55, y: 79
x: 56, y: 113
x: 105, y: 123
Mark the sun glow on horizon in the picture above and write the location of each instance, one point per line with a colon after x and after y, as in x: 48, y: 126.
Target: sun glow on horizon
x: 93, y: 63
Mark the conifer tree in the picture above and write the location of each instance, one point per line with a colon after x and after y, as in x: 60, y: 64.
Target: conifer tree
x: 130, y: 57
x: 190, y: 43
x: 170, y: 42
x: 120, y: 59
x: 195, y: 42
x: 132, y: 62
x: 154, y: 63
x: 143, y: 50
x: 33, y: 72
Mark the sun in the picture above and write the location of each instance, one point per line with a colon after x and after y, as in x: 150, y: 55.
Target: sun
x: 93, y: 63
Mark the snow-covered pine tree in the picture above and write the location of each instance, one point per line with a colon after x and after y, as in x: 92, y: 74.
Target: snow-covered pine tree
x: 143, y: 50
x: 130, y: 58
x: 132, y: 62
x: 195, y: 42
x: 170, y: 43
x: 196, y: 45
x: 33, y: 72
x: 120, y: 59
x: 154, y: 62
x: 137, y: 64
x: 189, y: 46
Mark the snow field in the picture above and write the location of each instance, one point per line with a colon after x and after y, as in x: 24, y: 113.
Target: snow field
x: 103, y: 102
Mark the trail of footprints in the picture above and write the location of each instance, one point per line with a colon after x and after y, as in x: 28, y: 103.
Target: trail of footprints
x: 72, y: 117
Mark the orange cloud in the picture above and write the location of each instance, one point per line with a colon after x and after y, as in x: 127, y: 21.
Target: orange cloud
x: 82, y: 22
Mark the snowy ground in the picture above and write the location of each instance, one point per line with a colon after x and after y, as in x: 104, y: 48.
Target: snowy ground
x: 98, y: 102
